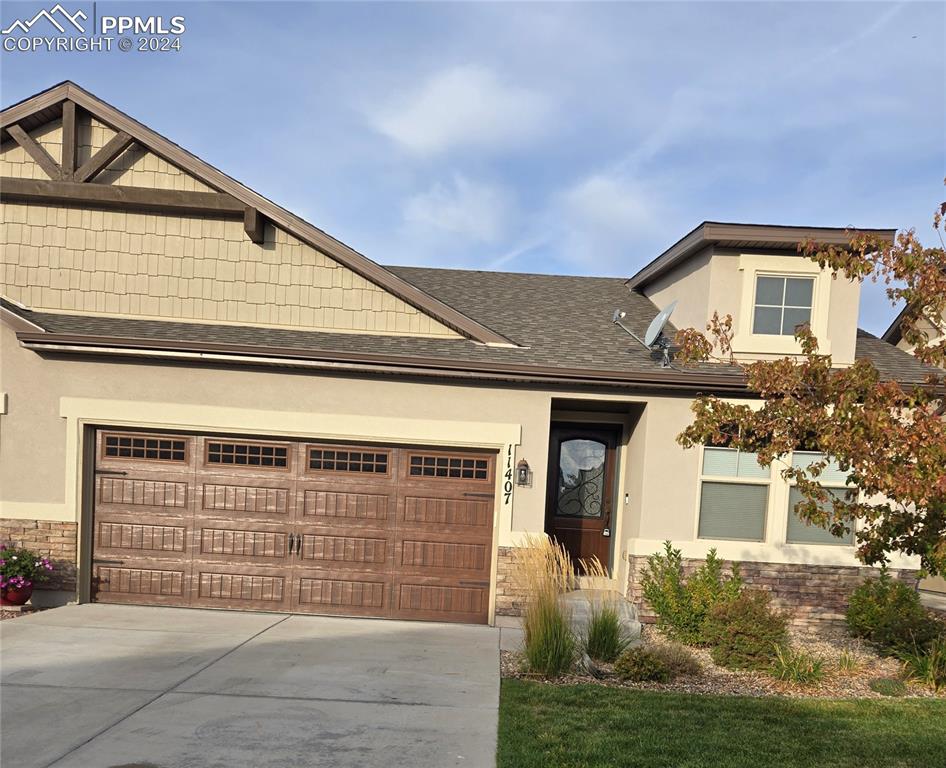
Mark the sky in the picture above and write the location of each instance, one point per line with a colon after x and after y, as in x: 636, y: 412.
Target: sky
x: 559, y: 138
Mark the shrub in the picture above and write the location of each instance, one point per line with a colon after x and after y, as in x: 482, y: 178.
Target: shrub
x: 544, y: 572
x: 642, y: 665
x: 605, y: 637
x: 656, y: 663
x: 746, y: 631
x: 678, y: 659
x: 887, y: 686
x: 889, y: 615
x: 680, y: 604
x: 927, y: 665
x: 797, y: 666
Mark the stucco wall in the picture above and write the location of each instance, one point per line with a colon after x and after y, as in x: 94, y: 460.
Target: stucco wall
x: 38, y: 474
x: 713, y: 280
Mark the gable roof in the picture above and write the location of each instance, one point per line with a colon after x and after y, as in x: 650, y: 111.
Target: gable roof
x: 47, y: 105
x: 893, y: 335
x: 562, y: 326
x: 730, y: 235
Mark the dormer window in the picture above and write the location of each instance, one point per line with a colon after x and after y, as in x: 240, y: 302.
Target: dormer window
x: 781, y: 304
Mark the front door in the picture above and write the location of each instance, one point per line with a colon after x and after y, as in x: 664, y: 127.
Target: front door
x: 580, y: 502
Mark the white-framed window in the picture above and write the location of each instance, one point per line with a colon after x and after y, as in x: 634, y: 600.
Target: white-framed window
x: 781, y: 304
x: 834, y: 481
x: 779, y: 293
x: 734, y: 495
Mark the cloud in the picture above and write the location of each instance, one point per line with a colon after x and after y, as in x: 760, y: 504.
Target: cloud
x: 462, y: 208
x: 607, y: 219
x: 463, y: 107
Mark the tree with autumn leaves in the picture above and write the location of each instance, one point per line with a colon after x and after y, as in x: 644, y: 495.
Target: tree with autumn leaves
x: 890, y: 438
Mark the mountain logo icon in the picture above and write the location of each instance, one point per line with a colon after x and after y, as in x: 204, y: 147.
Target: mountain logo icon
x: 57, y: 16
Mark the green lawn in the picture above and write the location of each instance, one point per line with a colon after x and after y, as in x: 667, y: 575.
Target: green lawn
x: 591, y: 726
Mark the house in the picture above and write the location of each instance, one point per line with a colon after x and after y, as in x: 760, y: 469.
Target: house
x: 893, y: 335
x: 208, y: 401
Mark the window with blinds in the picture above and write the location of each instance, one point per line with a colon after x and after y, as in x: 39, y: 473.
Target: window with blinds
x: 734, y: 495
x: 801, y: 531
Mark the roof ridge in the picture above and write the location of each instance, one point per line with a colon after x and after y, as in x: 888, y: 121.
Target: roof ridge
x: 470, y: 270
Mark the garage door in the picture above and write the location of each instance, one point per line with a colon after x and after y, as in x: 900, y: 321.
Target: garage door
x: 308, y: 527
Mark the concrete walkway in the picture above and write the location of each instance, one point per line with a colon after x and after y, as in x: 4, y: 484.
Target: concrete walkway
x: 121, y: 686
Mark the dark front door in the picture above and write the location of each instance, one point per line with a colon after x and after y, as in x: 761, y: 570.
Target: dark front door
x: 580, y: 501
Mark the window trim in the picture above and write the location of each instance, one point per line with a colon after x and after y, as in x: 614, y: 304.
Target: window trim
x: 728, y: 479
x: 753, y: 266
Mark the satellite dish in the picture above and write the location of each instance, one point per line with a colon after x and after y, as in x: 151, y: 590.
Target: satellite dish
x: 656, y: 326
x: 654, y: 339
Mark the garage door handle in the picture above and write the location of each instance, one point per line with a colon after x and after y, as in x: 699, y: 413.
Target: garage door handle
x: 292, y: 540
x: 474, y: 583
x: 110, y: 472
x: 108, y: 562
x: 299, y: 544
x: 480, y: 495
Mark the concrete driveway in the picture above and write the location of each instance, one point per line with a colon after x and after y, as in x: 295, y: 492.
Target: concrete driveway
x: 103, y: 686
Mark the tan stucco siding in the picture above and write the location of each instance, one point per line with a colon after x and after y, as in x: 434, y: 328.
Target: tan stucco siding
x: 658, y: 486
x: 189, y: 268
x: 723, y: 282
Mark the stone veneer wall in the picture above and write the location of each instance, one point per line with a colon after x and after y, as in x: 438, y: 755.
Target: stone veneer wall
x: 812, y: 594
x: 509, y: 599
x: 56, y: 540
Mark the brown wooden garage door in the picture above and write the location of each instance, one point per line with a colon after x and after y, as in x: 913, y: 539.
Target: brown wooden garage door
x: 223, y: 522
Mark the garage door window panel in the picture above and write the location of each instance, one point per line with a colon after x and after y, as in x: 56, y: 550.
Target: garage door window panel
x: 255, y: 455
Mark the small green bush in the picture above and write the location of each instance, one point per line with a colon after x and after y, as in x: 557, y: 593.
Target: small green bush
x: 888, y: 614
x: 745, y: 632
x: 678, y: 659
x: 797, y: 666
x: 887, y: 686
x: 927, y: 665
x: 549, y: 645
x: 655, y: 663
x: 641, y: 665
x: 605, y: 638
x: 682, y: 604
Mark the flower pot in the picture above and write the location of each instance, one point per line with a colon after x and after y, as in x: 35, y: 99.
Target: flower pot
x: 15, y: 596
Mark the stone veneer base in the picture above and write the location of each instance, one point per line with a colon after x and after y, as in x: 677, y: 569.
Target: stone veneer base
x: 812, y: 594
x: 57, y: 540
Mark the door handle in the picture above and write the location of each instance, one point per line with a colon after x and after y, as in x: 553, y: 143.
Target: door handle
x: 110, y: 472
x: 291, y: 542
x: 298, y: 544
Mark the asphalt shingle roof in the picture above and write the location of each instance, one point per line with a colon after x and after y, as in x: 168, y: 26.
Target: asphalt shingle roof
x: 558, y: 321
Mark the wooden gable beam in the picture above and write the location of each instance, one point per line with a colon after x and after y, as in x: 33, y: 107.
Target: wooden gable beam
x: 98, y: 162
x: 254, y: 224
x: 70, y: 140
x: 167, y: 201
x: 42, y: 158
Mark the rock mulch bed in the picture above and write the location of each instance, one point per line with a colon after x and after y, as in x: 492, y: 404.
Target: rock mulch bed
x: 15, y: 614
x: 716, y: 680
